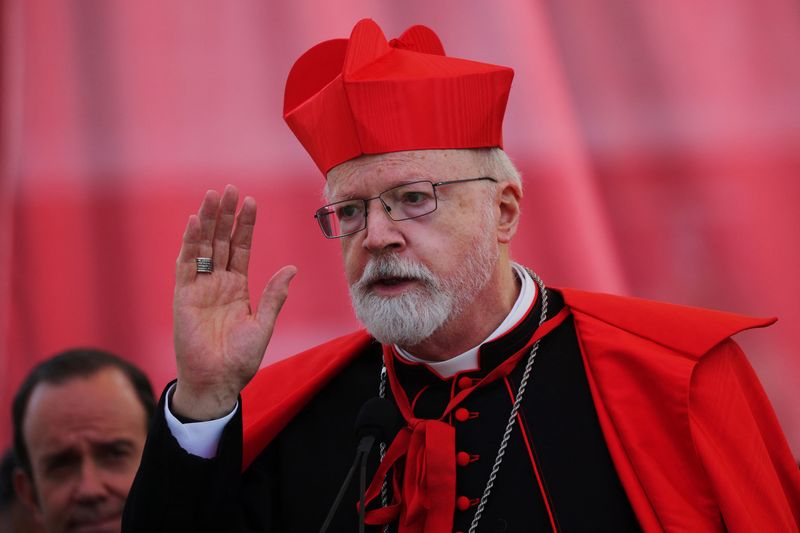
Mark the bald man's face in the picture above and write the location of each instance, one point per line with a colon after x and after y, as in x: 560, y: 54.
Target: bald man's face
x: 84, y: 439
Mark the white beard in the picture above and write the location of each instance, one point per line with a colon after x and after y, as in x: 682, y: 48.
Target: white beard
x: 410, y: 318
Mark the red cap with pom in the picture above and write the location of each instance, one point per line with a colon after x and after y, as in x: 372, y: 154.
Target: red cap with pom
x: 367, y: 95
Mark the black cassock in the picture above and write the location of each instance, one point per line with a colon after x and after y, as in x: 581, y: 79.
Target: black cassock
x: 557, y: 472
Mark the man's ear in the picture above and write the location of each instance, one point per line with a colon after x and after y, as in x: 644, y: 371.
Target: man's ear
x: 509, y: 195
x: 26, y: 492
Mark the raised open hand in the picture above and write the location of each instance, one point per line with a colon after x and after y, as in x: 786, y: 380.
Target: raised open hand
x: 219, y: 339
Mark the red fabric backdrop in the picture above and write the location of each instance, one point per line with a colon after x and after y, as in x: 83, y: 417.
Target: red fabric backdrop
x: 660, y: 143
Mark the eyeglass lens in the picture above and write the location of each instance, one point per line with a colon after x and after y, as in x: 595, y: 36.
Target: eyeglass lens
x: 410, y: 200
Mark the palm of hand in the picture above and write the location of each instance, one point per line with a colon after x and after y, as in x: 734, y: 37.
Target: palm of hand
x: 219, y: 339
x: 216, y: 333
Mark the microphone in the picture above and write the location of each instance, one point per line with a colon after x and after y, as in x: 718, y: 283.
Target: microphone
x: 377, y: 419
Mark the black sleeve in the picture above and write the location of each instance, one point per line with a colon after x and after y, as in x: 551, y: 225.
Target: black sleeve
x: 176, y: 491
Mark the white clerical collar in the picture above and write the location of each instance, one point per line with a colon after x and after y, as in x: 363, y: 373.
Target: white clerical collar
x: 469, y: 359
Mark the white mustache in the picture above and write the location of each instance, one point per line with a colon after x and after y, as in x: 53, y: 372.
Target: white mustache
x: 393, y: 266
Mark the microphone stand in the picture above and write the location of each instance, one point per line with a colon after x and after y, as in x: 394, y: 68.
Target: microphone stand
x: 362, y: 489
x: 377, y: 419
x: 362, y: 452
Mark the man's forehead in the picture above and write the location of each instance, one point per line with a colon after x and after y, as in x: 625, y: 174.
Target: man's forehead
x: 75, y: 445
x: 371, y: 172
x: 102, y: 401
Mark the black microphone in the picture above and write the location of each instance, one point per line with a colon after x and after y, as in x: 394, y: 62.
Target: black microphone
x: 379, y: 420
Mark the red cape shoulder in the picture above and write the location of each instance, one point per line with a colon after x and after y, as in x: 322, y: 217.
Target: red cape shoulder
x: 691, y: 330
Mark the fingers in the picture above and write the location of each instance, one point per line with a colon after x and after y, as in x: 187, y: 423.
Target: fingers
x: 185, y: 269
x: 208, y: 234
x: 208, y: 220
x: 242, y: 239
x: 224, y: 224
x: 274, y: 296
x: 197, y: 238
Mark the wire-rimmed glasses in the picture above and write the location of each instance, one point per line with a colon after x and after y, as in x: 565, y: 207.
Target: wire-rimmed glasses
x: 402, y: 202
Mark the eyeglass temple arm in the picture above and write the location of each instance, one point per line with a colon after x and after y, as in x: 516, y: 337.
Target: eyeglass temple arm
x: 448, y: 182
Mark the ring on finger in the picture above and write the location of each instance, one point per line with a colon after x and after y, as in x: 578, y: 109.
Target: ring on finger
x: 205, y: 265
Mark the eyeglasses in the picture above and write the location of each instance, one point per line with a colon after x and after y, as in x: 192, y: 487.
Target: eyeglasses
x: 404, y: 202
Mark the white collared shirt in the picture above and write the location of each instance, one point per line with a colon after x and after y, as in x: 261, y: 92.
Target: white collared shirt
x: 469, y: 359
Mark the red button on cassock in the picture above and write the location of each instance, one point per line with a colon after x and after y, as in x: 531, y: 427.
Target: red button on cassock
x: 462, y: 458
x: 462, y: 502
x: 464, y: 382
x: 462, y: 414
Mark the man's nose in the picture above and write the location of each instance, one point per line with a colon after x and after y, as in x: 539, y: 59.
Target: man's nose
x: 382, y: 232
x: 91, y: 485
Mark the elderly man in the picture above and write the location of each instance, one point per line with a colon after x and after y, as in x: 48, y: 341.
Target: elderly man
x: 80, y: 422
x: 522, y: 408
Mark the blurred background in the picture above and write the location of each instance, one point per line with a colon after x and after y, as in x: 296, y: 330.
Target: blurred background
x: 659, y: 142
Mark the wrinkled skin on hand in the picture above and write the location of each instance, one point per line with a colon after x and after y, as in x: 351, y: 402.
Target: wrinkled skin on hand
x: 219, y: 339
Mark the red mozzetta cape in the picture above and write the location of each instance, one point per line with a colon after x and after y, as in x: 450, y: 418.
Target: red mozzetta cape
x: 693, y: 436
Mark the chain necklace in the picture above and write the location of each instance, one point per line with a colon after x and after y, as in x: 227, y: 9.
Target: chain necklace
x: 512, y: 417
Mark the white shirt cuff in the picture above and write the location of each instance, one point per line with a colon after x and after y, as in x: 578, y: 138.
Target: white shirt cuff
x: 197, y: 438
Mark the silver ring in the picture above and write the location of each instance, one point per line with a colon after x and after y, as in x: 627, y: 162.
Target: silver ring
x: 205, y: 265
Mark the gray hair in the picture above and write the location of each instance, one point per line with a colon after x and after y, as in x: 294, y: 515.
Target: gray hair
x: 495, y: 163
x: 492, y: 162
